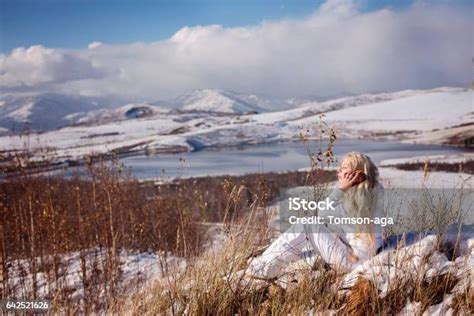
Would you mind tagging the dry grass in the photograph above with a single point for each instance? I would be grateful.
(212, 194)
(208, 287)
(211, 286)
(44, 217)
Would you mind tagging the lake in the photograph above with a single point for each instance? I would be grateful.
(278, 157)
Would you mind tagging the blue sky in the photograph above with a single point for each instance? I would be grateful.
(76, 23)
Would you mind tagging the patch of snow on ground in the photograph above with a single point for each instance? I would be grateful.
(450, 158)
(395, 178)
(22, 114)
(137, 271)
(415, 260)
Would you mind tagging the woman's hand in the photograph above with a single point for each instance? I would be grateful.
(350, 179)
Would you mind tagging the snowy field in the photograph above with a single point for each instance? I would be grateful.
(394, 178)
(451, 158)
(137, 270)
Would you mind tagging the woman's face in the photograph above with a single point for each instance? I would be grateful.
(343, 169)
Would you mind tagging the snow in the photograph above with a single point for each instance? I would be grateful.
(444, 135)
(153, 128)
(104, 116)
(424, 111)
(411, 308)
(419, 259)
(346, 102)
(311, 109)
(209, 100)
(450, 158)
(138, 270)
(413, 259)
(420, 112)
(23, 113)
(75, 142)
(43, 111)
(441, 309)
(395, 178)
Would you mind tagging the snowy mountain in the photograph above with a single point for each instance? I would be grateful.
(43, 111)
(129, 111)
(420, 111)
(50, 111)
(212, 100)
(351, 101)
(441, 116)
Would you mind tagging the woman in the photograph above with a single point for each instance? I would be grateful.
(360, 194)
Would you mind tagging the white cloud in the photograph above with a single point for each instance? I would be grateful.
(38, 65)
(335, 50)
(339, 7)
(94, 45)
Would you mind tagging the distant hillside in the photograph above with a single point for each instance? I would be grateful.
(129, 111)
(44, 111)
(210, 100)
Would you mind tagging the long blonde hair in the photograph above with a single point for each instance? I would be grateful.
(360, 200)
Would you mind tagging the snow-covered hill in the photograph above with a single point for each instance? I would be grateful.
(211, 100)
(352, 101)
(129, 111)
(43, 111)
(426, 111)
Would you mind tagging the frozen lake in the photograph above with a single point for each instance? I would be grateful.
(279, 157)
